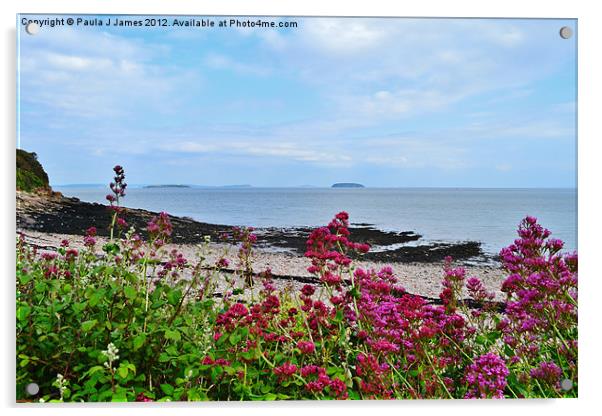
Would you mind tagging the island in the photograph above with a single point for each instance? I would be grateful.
(167, 186)
(348, 185)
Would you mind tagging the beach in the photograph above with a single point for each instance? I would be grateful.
(41, 218)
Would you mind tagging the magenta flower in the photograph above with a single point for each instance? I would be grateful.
(547, 372)
(143, 398)
(222, 263)
(486, 377)
(308, 290)
(285, 371)
(306, 347)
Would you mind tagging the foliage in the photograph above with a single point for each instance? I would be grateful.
(30, 173)
(134, 321)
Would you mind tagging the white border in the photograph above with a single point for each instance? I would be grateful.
(590, 232)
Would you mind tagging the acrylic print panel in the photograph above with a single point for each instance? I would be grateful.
(293, 208)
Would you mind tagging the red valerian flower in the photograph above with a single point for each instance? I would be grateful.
(285, 371)
(486, 377)
(306, 347)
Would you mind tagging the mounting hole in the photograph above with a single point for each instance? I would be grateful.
(566, 384)
(32, 389)
(32, 28)
(566, 32)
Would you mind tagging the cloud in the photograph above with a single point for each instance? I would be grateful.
(343, 36)
(266, 149)
(98, 75)
(77, 63)
(218, 61)
(398, 103)
(424, 65)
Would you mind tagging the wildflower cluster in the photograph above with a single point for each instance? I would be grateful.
(110, 355)
(540, 324)
(117, 192)
(62, 385)
(486, 377)
(328, 248)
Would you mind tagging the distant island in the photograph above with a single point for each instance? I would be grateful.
(167, 186)
(234, 186)
(348, 185)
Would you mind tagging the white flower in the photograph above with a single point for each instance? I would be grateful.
(110, 354)
(61, 384)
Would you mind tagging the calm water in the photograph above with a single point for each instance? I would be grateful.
(486, 215)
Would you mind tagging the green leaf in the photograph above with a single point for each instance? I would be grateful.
(172, 334)
(40, 287)
(96, 298)
(23, 312)
(174, 297)
(123, 371)
(130, 292)
(139, 341)
(88, 325)
(93, 370)
(167, 389)
(24, 278)
(354, 395)
(234, 338)
(120, 395)
(78, 307)
(131, 367)
(111, 248)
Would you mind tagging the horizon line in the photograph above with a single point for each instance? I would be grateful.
(314, 186)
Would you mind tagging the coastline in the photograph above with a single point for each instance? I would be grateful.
(45, 220)
(55, 213)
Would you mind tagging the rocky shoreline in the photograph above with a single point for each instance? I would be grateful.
(46, 220)
(54, 213)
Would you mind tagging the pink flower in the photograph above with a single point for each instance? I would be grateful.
(143, 398)
(547, 372)
(486, 377)
(306, 347)
(285, 371)
(222, 263)
(308, 290)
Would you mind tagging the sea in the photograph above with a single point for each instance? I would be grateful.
(490, 216)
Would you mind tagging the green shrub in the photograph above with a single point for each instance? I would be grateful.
(30, 173)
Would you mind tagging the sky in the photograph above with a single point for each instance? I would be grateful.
(387, 102)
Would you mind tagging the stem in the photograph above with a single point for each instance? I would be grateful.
(402, 377)
(113, 224)
(428, 357)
